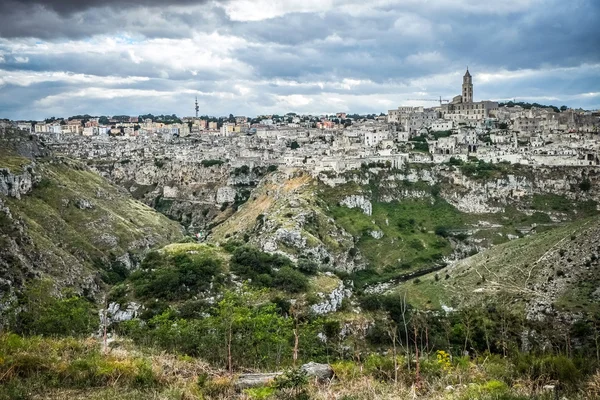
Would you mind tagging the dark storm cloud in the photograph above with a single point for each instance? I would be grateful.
(342, 54)
(47, 21)
(66, 7)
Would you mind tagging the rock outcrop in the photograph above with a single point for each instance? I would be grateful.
(358, 201)
(16, 185)
(333, 301)
(61, 221)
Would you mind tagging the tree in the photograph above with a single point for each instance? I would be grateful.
(294, 145)
(564, 108)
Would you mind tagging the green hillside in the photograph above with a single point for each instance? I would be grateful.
(73, 226)
(558, 268)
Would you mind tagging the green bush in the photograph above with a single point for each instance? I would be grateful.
(210, 163)
(290, 280)
(44, 314)
(381, 367)
(307, 267)
(442, 231)
(175, 277)
(260, 393)
(251, 263)
(294, 380)
(585, 185)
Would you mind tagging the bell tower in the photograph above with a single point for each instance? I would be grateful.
(467, 88)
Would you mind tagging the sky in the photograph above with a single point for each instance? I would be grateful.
(260, 57)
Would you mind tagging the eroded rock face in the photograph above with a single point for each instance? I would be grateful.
(84, 204)
(376, 234)
(358, 201)
(116, 313)
(15, 185)
(225, 194)
(333, 301)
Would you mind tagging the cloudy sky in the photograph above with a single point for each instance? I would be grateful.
(249, 57)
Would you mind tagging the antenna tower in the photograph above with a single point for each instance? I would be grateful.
(197, 108)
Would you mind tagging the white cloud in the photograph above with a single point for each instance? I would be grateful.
(258, 10)
(27, 78)
(425, 58)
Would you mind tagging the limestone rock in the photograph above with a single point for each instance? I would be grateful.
(320, 371)
(376, 234)
(225, 194)
(116, 313)
(246, 381)
(356, 201)
(333, 301)
(169, 192)
(84, 204)
(15, 185)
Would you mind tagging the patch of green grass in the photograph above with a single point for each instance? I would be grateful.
(323, 284)
(12, 161)
(551, 202)
(503, 272)
(409, 241)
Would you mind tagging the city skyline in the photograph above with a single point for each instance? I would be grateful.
(261, 58)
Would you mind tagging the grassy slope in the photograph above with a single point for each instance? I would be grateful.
(271, 206)
(67, 237)
(555, 264)
(409, 240)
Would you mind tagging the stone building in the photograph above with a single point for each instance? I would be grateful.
(463, 107)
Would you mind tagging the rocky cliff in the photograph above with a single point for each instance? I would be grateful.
(60, 220)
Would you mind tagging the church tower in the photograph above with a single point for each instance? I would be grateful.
(467, 88)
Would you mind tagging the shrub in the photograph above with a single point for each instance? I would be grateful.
(346, 371)
(45, 314)
(381, 367)
(210, 163)
(290, 280)
(175, 277)
(441, 231)
(294, 380)
(260, 393)
(416, 244)
(585, 185)
(307, 267)
(455, 161)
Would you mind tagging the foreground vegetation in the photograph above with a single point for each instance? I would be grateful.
(184, 345)
(75, 368)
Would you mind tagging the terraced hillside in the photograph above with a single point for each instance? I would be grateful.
(552, 273)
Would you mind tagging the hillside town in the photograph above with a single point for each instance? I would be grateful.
(459, 129)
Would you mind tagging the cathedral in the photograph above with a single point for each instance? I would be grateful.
(463, 107)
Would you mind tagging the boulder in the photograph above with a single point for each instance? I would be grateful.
(246, 381)
(84, 204)
(320, 371)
